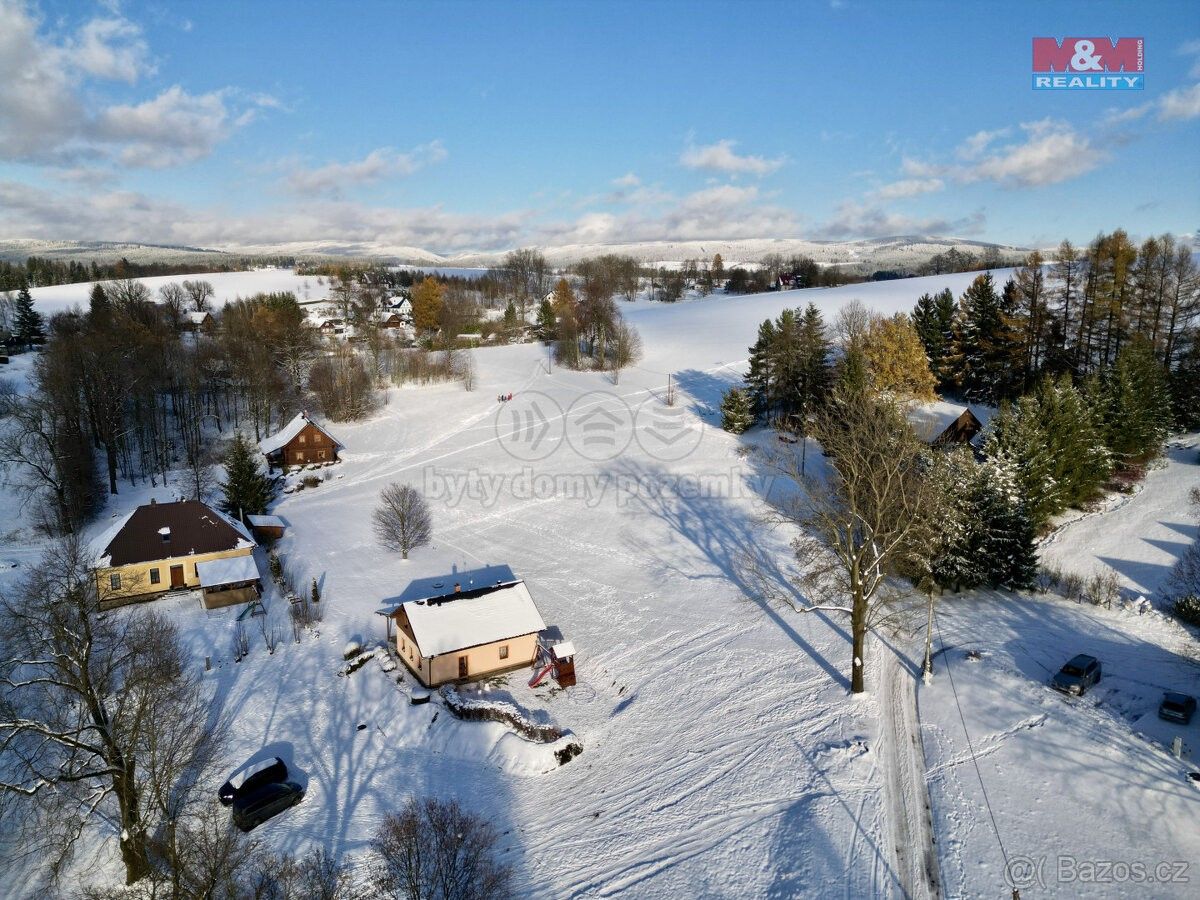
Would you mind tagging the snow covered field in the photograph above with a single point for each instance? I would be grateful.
(722, 754)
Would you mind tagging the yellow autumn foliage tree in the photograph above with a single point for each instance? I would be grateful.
(896, 359)
(427, 300)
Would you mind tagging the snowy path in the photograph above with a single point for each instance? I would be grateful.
(905, 791)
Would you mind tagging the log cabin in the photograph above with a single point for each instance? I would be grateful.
(300, 442)
(944, 424)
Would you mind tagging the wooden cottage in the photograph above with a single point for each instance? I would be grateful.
(943, 424)
(186, 545)
(300, 442)
(468, 635)
(393, 320)
(200, 321)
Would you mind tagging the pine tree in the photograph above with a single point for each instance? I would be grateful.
(957, 559)
(510, 318)
(979, 337)
(1016, 435)
(1185, 387)
(737, 411)
(315, 593)
(813, 382)
(1081, 462)
(27, 323)
(99, 307)
(246, 489)
(761, 376)
(718, 268)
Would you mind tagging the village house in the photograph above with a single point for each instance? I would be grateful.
(185, 545)
(393, 320)
(200, 321)
(300, 442)
(942, 423)
(467, 635)
(331, 326)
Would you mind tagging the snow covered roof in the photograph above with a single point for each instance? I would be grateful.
(284, 435)
(457, 621)
(233, 570)
(563, 650)
(265, 521)
(199, 318)
(930, 420)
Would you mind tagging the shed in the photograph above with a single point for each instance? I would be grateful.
(269, 527)
(562, 655)
(225, 582)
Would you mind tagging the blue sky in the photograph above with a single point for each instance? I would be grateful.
(486, 125)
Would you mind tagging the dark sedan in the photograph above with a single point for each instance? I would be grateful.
(1177, 708)
(250, 778)
(251, 810)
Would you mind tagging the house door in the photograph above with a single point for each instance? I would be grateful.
(176, 577)
(462, 667)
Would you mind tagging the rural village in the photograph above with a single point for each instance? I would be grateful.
(624, 542)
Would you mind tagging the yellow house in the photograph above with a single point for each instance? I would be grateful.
(186, 545)
(467, 635)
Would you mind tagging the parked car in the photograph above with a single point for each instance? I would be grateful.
(250, 778)
(252, 809)
(1177, 708)
(1079, 674)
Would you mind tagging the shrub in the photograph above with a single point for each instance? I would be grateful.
(311, 481)
(1103, 588)
(1187, 609)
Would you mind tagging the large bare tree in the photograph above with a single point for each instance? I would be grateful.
(866, 522)
(100, 724)
(402, 521)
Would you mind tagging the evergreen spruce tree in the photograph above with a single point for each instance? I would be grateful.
(546, 327)
(979, 332)
(1185, 387)
(737, 411)
(315, 593)
(246, 490)
(957, 560)
(1007, 552)
(760, 378)
(28, 324)
(1137, 404)
(99, 306)
(813, 383)
(1081, 462)
(510, 318)
(1016, 435)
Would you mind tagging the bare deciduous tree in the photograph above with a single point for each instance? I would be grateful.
(200, 293)
(870, 520)
(99, 723)
(626, 347)
(437, 849)
(402, 520)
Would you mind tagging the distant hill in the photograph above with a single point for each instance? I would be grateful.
(866, 256)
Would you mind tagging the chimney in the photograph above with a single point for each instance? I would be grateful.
(457, 588)
(153, 501)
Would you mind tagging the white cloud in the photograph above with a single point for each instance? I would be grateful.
(721, 157)
(384, 162)
(44, 119)
(628, 180)
(110, 48)
(1050, 152)
(1180, 104)
(857, 220)
(909, 187)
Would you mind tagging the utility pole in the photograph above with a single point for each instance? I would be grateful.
(670, 389)
(927, 669)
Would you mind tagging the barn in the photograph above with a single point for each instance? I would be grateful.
(300, 442)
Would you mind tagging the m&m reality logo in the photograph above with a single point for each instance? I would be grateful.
(1088, 64)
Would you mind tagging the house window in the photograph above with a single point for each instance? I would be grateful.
(303, 439)
(504, 651)
(299, 456)
(114, 581)
(154, 576)
(320, 454)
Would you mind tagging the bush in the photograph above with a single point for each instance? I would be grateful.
(311, 481)
(1187, 609)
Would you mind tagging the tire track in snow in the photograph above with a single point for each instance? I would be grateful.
(906, 795)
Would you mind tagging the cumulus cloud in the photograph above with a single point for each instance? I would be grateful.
(384, 162)
(1049, 151)
(721, 157)
(628, 180)
(44, 120)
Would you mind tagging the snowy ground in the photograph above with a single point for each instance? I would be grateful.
(722, 754)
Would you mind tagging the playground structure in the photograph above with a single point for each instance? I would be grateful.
(558, 659)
